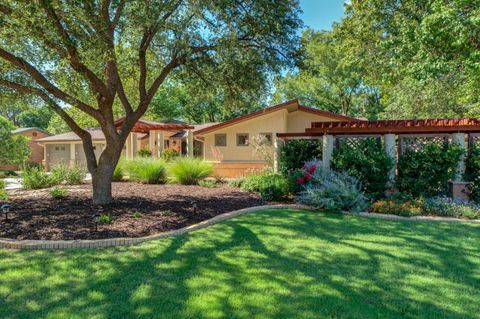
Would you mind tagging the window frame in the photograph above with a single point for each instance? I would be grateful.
(224, 135)
(248, 139)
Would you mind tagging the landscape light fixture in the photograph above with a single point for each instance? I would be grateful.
(6, 210)
(96, 218)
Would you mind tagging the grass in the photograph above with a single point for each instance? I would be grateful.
(271, 264)
(145, 170)
(189, 171)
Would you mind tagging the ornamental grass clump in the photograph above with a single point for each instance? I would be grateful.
(330, 190)
(189, 171)
(146, 170)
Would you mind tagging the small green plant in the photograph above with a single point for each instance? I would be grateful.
(209, 183)
(144, 152)
(272, 187)
(36, 178)
(189, 171)
(169, 154)
(105, 219)
(236, 182)
(3, 192)
(69, 175)
(403, 206)
(445, 206)
(146, 170)
(137, 215)
(58, 193)
(8, 173)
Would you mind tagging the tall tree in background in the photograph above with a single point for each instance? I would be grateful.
(92, 55)
(423, 55)
(15, 149)
(328, 78)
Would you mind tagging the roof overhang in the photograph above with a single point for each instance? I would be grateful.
(144, 126)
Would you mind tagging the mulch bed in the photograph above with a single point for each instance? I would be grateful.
(35, 215)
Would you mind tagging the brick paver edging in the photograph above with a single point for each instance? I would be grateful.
(100, 243)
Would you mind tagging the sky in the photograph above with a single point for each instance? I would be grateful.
(320, 14)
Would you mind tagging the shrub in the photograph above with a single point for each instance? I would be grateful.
(146, 170)
(399, 204)
(105, 219)
(332, 190)
(7, 173)
(426, 172)
(367, 161)
(189, 171)
(272, 187)
(144, 152)
(169, 154)
(236, 182)
(137, 215)
(209, 183)
(445, 206)
(3, 192)
(68, 175)
(472, 172)
(294, 153)
(58, 193)
(36, 178)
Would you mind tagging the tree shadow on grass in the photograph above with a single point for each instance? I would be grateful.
(271, 265)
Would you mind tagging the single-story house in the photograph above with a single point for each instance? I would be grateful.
(227, 144)
(33, 134)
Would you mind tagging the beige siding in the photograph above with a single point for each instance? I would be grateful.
(298, 121)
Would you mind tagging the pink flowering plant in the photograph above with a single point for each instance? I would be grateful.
(304, 176)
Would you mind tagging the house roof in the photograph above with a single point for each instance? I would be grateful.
(28, 129)
(196, 127)
(291, 106)
(144, 126)
(97, 135)
(432, 126)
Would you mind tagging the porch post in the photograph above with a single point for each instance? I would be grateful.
(459, 139)
(189, 143)
(152, 137)
(327, 150)
(391, 151)
(160, 143)
(72, 155)
(131, 146)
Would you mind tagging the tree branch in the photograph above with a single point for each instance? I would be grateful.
(74, 57)
(43, 82)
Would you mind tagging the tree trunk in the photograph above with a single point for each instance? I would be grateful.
(102, 183)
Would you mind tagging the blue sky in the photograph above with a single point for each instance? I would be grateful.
(320, 14)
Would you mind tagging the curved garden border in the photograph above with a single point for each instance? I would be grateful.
(110, 242)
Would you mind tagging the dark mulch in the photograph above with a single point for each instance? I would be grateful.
(35, 215)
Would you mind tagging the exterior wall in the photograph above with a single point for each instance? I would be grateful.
(37, 152)
(57, 154)
(236, 161)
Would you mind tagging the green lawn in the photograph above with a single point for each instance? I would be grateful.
(272, 264)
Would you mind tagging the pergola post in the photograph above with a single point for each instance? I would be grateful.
(391, 151)
(277, 143)
(327, 150)
(459, 139)
(131, 146)
(152, 141)
(189, 143)
(160, 143)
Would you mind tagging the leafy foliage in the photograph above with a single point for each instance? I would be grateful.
(58, 193)
(144, 152)
(14, 148)
(332, 191)
(69, 175)
(3, 192)
(118, 173)
(294, 153)
(272, 187)
(146, 170)
(169, 154)
(472, 171)
(189, 171)
(399, 205)
(427, 171)
(36, 178)
(367, 161)
(445, 206)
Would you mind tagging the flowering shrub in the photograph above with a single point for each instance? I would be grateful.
(327, 189)
(445, 206)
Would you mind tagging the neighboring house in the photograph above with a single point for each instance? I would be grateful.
(227, 144)
(33, 134)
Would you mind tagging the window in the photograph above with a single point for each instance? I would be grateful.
(220, 139)
(242, 139)
(266, 138)
(59, 148)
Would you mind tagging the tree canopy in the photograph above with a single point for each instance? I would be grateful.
(14, 148)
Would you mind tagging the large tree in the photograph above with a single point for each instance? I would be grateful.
(328, 78)
(14, 148)
(93, 55)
